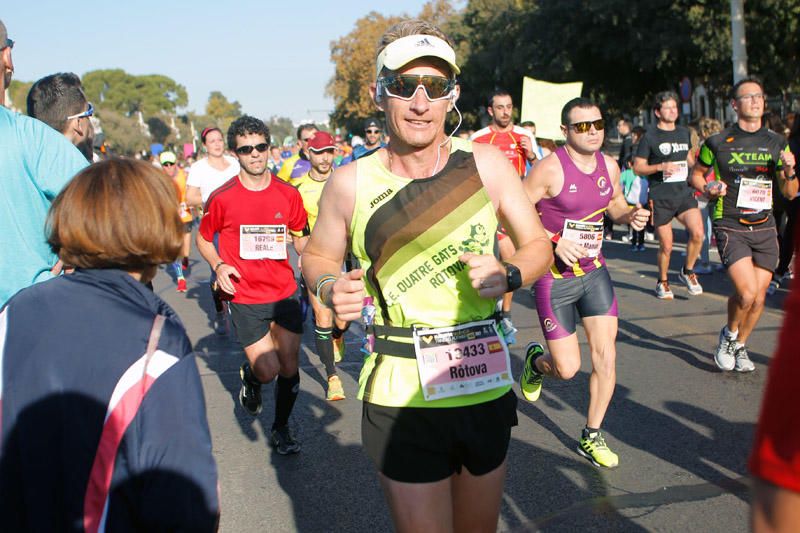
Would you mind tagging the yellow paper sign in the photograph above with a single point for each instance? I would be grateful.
(542, 102)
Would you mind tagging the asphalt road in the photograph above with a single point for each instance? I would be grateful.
(682, 428)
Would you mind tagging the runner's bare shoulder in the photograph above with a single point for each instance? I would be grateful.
(340, 191)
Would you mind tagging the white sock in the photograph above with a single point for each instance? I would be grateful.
(730, 335)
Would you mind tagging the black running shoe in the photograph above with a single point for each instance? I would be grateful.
(250, 393)
(283, 441)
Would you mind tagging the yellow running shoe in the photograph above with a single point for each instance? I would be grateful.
(335, 389)
(530, 382)
(339, 348)
(593, 447)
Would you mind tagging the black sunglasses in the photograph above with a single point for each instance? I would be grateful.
(9, 43)
(583, 127)
(246, 149)
(373, 131)
(405, 86)
(167, 164)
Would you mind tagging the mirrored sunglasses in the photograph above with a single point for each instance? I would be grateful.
(583, 127)
(404, 86)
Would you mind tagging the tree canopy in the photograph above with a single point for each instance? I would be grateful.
(127, 93)
(120, 97)
(18, 92)
(354, 58)
(623, 51)
(123, 133)
(221, 111)
(279, 128)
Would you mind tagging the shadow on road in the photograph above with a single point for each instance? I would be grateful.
(716, 283)
(546, 492)
(720, 448)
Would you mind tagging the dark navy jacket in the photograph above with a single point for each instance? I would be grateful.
(89, 441)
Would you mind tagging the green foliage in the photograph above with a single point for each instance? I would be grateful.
(18, 93)
(623, 51)
(773, 43)
(221, 111)
(279, 128)
(122, 133)
(126, 93)
(354, 58)
(493, 50)
(159, 130)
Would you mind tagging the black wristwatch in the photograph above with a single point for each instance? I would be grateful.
(513, 277)
(792, 177)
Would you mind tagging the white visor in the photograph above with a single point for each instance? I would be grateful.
(406, 49)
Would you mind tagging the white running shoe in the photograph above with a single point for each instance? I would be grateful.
(690, 280)
(663, 292)
(743, 362)
(725, 355)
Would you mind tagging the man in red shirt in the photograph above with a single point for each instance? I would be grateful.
(519, 147)
(252, 213)
(516, 142)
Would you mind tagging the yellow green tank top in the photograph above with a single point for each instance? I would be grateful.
(310, 190)
(408, 235)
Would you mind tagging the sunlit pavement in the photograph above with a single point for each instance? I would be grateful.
(682, 428)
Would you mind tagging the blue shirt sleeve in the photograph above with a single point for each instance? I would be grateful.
(50, 158)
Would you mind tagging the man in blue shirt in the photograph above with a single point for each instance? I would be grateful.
(35, 164)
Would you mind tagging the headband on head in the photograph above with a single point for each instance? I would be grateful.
(208, 130)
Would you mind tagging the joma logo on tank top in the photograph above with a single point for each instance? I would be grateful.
(381, 197)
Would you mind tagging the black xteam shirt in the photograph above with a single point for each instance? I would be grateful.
(736, 154)
(660, 146)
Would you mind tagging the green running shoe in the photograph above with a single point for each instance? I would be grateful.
(531, 380)
(593, 447)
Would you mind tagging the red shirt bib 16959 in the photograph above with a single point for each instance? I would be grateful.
(232, 206)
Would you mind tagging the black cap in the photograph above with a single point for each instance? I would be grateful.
(372, 123)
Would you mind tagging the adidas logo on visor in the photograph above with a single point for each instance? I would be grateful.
(424, 42)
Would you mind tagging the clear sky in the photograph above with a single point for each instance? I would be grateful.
(272, 56)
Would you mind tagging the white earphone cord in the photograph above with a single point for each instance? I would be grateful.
(439, 150)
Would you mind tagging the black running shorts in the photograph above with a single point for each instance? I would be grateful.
(666, 209)
(761, 244)
(252, 321)
(426, 444)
